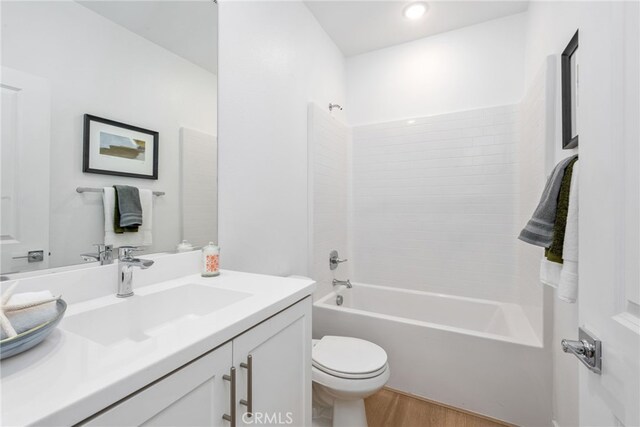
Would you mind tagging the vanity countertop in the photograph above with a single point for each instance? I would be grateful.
(69, 377)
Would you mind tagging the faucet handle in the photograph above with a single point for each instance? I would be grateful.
(125, 252)
(334, 260)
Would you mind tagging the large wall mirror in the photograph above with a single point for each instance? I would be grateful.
(147, 70)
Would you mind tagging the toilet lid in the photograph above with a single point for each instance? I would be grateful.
(348, 357)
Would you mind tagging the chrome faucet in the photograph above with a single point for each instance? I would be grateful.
(104, 254)
(346, 283)
(126, 262)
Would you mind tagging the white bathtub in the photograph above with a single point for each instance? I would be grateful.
(479, 355)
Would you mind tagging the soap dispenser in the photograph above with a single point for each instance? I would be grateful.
(210, 260)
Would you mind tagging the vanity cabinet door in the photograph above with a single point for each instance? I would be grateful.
(279, 369)
(194, 395)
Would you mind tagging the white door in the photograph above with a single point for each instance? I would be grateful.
(276, 380)
(194, 395)
(609, 299)
(24, 171)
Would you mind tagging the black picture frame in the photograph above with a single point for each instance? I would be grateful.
(568, 139)
(86, 158)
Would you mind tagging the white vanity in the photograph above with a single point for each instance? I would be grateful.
(184, 350)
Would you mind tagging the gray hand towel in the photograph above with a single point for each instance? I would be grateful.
(129, 207)
(539, 229)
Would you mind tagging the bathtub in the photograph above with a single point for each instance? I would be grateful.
(479, 355)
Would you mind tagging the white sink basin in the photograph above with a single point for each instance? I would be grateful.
(141, 317)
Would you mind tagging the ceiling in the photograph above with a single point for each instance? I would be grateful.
(188, 28)
(361, 26)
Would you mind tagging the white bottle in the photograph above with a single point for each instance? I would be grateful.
(210, 260)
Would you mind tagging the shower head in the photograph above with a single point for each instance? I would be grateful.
(332, 106)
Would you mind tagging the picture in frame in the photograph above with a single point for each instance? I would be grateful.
(114, 148)
(569, 65)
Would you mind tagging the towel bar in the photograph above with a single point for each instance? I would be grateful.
(100, 190)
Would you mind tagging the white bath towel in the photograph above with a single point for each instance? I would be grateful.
(6, 330)
(30, 309)
(143, 237)
(550, 272)
(568, 285)
(21, 312)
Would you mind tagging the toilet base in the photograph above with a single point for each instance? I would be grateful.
(322, 415)
(329, 411)
(349, 413)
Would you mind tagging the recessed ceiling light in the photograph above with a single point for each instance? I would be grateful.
(410, 122)
(415, 10)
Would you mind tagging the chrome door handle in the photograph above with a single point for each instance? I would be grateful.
(32, 256)
(232, 397)
(249, 402)
(579, 348)
(588, 349)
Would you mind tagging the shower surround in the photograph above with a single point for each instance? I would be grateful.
(438, 198)
(428, 210)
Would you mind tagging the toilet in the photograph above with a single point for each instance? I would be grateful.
(345, 371)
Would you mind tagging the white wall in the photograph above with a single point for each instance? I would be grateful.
(329, 178)
(95, 66)
(550, 26)
(435, 203)
(537, 111)
(474, 67)
(274, 58)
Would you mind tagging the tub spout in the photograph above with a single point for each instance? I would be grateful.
(346, 283)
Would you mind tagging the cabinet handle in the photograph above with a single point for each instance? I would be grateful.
(232, 399)
(249, 402)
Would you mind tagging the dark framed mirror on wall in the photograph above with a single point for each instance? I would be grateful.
(570, 75)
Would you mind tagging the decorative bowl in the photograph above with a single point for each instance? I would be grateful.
(27, 339)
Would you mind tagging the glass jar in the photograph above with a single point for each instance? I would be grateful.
(210, 260)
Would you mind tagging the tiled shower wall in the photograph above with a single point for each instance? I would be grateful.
(435, 203)
(328, 140)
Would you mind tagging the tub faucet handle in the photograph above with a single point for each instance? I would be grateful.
(334, 260)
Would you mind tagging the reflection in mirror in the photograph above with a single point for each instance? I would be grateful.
(147, 73)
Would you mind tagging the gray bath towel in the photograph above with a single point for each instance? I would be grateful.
(539, 229)
(128, 206)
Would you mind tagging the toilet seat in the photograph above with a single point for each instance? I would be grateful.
(348, 358)
(349, 376)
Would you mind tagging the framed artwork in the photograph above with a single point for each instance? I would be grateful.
(114, 148)
(570, 68)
